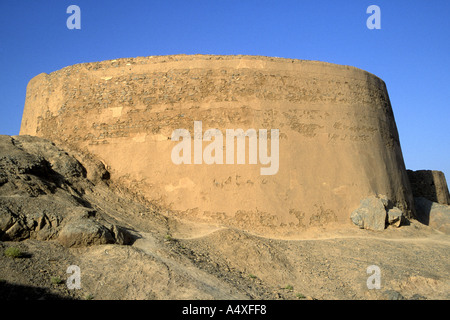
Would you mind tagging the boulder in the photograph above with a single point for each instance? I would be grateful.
(84, 232)
(375, 212)
(371, 213)
(395, 216)
(433, 214)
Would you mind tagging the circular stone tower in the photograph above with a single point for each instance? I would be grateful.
(331, 136)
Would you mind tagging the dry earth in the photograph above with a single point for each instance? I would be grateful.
(173, 259)
(232, 264)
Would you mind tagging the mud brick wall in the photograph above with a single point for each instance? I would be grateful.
(429, 184)
(338, 138)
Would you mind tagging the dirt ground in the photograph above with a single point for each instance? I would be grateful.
(184, 261)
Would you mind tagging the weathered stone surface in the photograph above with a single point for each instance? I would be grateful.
(429, 184)
(338, 138)
(371, 214)
(58, 160)
(434, 214)
(375, 212)
(84, 232)
(7, 219)
(43, 195)
(395, 216)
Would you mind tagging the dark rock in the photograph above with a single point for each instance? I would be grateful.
(375, 212)
(395, 216)
(417, 297)
(371, 213)
(84, 232)
(122, 235)
(429, 184)
(59, 161)
(393, 295)
(43, 192)
(433, 214)
(7, 220)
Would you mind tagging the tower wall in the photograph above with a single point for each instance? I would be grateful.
(338, 141)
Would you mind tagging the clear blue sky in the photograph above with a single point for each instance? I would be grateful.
(411, 52)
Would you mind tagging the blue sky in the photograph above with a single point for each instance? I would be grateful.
(411, 52)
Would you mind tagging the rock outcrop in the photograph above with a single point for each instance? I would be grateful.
(42, 195)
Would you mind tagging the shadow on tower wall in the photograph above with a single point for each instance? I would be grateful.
(428, 185)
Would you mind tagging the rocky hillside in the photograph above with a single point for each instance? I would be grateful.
(58, 208)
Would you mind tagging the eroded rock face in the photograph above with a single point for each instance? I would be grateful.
(42, 195)
(338, 142)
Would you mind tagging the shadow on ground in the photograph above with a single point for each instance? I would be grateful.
(11, 291)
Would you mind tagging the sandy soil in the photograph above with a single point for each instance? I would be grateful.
(176, 260)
